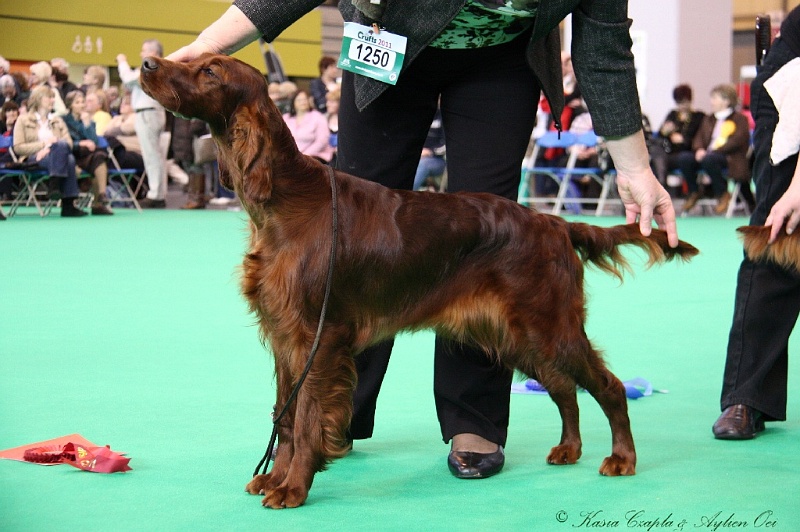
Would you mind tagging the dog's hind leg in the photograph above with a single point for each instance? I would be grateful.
(609, 392)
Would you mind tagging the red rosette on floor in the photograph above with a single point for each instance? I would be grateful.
(45, 454)
(95, 459)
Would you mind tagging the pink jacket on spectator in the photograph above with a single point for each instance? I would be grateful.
(311, 134)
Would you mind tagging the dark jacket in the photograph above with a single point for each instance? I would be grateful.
(183, 134)
(736, 145)
(601, 48)
(80, 131)
(687, 130)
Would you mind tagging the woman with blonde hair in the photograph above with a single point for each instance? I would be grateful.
(46, 140)
(97, 109)
(94, 78)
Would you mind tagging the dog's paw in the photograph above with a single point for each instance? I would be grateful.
(260, 484)
(563, 455)
(284, 497)
(616, 465)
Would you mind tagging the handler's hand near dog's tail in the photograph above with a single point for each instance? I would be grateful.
(786, 209)
(642, 195)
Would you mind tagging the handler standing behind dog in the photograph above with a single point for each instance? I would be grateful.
(767, 296)
(488, 62)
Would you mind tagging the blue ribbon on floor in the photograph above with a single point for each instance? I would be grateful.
(634, 388)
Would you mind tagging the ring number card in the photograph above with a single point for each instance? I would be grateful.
(377, 55)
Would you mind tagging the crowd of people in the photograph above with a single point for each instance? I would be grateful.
(693, 154)
(137, 132)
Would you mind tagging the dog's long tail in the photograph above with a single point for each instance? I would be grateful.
(785, 251)
(601, 246)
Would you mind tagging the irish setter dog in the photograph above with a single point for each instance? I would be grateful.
(475, 267)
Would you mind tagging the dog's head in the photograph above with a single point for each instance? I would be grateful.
(232, 97)
(210, 87)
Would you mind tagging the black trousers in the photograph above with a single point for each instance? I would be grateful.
(767, 297)
(488, 101)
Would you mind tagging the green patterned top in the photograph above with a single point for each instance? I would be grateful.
(486, 23)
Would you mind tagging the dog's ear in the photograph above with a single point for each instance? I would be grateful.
(225, 178)
(253, 152)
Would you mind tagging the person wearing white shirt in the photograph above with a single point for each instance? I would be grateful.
(150, 122)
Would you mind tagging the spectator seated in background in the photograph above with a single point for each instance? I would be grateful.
(587, 156)
(721, 144)
(10, 92)
(309, 128)
(9, 113)
(573, 107)
(40, 77)
(675, 135)
(60, 78)
(123, 141)
(182, 154)
(285, 95)
(431, 163)
(94, 78)
(88, 155)
(332, 114)
(319, 87)
(114, 99)
(97, 108)
(46, 140)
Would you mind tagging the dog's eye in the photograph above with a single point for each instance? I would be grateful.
(209, 72)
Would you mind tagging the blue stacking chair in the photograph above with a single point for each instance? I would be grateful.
(567, 197)
(30, 182)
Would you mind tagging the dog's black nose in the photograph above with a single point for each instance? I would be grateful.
(149, 64)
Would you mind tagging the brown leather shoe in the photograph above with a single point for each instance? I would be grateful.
(722, 203)
(101, 210)
(691, 201)
(738, 422)
(193, 205)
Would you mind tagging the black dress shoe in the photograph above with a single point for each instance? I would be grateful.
(148, 203)
(738, 422)
(466, 464)
(68, 210)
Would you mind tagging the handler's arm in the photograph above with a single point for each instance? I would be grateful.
(642, 195)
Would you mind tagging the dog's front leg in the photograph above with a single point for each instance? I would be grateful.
(262, 483)
(322, 414)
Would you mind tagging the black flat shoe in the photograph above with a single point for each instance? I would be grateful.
(54, 188)
(466, 464)
(738, 422)
(68, 210)
(148, 203)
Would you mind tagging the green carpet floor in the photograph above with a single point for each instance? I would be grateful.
(130, 331)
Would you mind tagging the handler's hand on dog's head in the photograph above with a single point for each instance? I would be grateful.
(192, 51)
